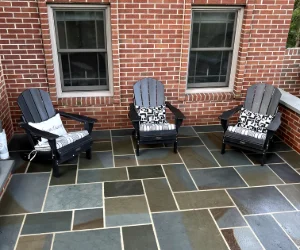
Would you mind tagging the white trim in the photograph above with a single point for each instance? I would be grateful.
(239, 20)
(60, 93)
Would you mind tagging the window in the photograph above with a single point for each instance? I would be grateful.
(81, 48)
(213, 42)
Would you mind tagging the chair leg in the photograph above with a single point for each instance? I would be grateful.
(263, 159)
(175, 147)
(88, 154)
(55, 168)
(223, 148)
(137, 151)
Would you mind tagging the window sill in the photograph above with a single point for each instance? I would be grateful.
(219, 96)
(85, 94)
(208, 90)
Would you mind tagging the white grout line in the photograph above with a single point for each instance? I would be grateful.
(77, 169)
(245, 220)
(127, 173)
(213, 219)
(226, 228)
(5, 188)
(19, 234)
(285, 162)
(241, 177)
(286, 198)
(103, 205)
(284, 231)
(121, 235)
(33, 173)
(46, 194)
(72, 220)
(151, 218)
(170, 188)
(52, 242)
(112, 149)
(283, 182)
(125, 196)
(248, 158)
(136, 160)
(191, 209)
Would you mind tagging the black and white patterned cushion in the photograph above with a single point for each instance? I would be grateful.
(153, 115)
(157, 127)
(254, 121)
(62, 140)
(248, 132)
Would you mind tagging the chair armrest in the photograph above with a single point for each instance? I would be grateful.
(37, 132)
(227, 114)
(274, 125)
(79, 118)
(133, 115)
(178, 114)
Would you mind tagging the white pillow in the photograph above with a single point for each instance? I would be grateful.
(53, 125)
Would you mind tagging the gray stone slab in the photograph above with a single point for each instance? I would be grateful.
(5, 170)
(35, 242)
(228, 217)
(74, 197)
(104, 239)
(292, 193)
(98, 175)
(25, 193)
(88, 219)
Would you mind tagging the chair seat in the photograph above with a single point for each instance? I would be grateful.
(157, 127)
(62, 141)
(247, 132)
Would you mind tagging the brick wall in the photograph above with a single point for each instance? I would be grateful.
(4, 107)
(149, 38)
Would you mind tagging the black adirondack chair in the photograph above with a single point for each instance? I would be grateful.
(263, 99)
(149, 92)
(36, 106)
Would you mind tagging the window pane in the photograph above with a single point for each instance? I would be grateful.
(208, 66)
(195, 35)
(100, 34)
(84, 65)
(65, 66)
(229, 35)
(85, 82)
(212, 35)
(61, 35)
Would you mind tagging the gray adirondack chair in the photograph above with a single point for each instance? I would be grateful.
(263, 99)
(149, 92)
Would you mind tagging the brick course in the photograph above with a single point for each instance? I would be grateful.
(149, 39)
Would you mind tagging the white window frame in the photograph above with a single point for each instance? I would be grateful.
(60, 93)
(239, 20)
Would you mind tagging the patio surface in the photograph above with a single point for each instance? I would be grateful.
(196, 199)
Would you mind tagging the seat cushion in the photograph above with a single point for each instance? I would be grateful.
(62, 140)
(254, 121)
(247, 132)
(157, 127)
(154, 115)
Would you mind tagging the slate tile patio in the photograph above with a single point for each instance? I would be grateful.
(196, 199)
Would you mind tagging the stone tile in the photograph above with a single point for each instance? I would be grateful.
(179, 178)
(101, 135)
(98, 175)
(292, 192)
(197, 157)
(73, 197)
(102, 146)
(228, 217)
(35, 242)
(213, 141)
(266, 228)
(145, 172)
(19, 142)
(10, 227)
(292, 158)
(68, 175)
(286, 173)
(145, 146)
(231, 158)
(158, 156)
(139, 237)
(186, 131)
(241, 239)
(270, 158)
(123, 188)
(203, 199)
(126, 211)
(279, 146)
(217, 178)
(189, 141)
(188, 230)
(99, 160)
(159, 195)
(104, 239)
(88, 219)
(208, 128)
(290, 222)
(258, 175)
(122, 145)
(72, 161)
(121, 132)
(125, 160)
(39, 167)
(25, 193)
(47, 222)
(259, 200)
(20, 165)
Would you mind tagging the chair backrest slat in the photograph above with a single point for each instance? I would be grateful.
(36, 105)
(263, 99)
(149, 92)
